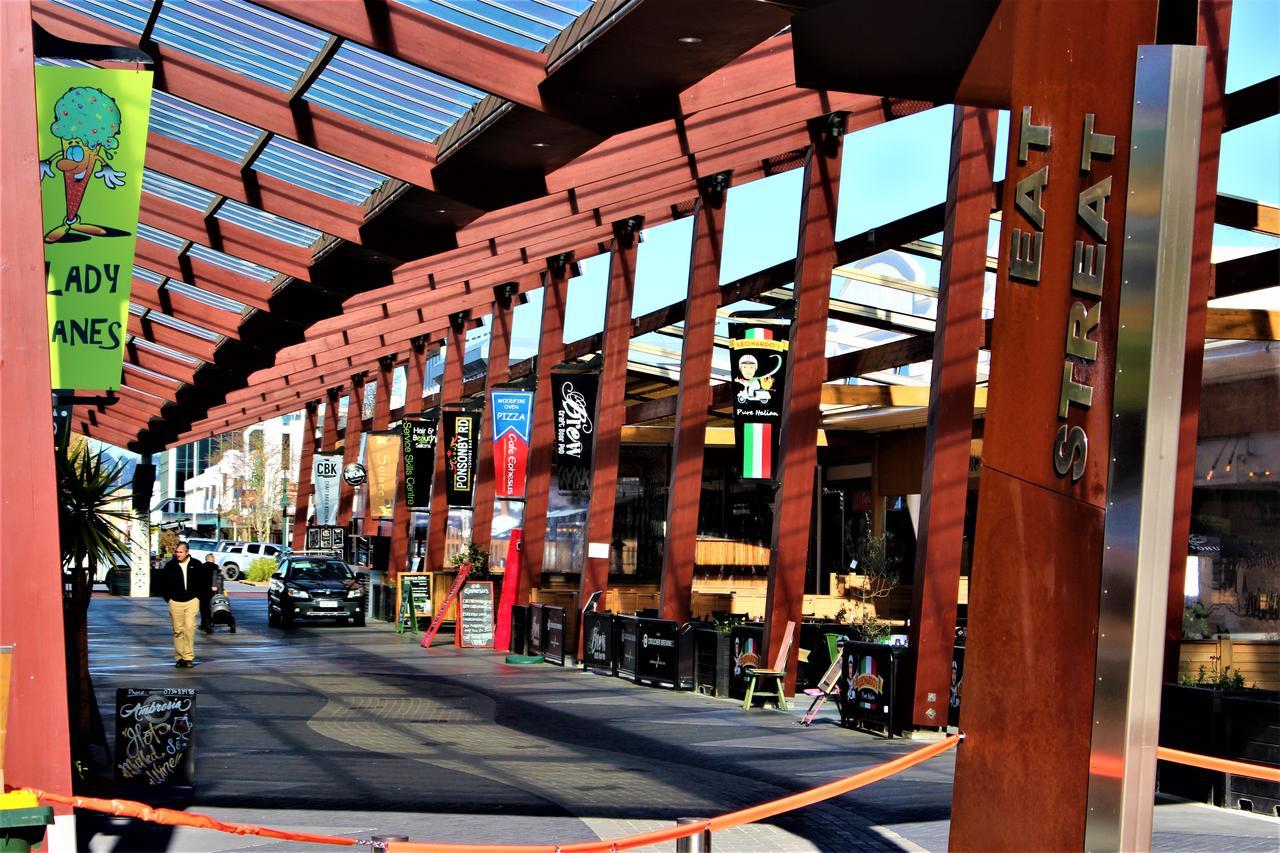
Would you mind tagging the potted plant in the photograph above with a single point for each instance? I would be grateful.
(475, 557)
(712, 657)
(876, 577)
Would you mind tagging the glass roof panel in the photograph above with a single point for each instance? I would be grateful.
(180, 192)
(523, 23)
(147, 275)
(390, 94)
(316, 171)
(172, 323)
(203, 128)
(129, 15)
(213, 300)
(277, 227)
(159, 349)
(161, 238)
(261, 45)
(231, 263)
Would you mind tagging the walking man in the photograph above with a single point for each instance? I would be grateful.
(184, 582)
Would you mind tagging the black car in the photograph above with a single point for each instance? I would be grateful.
(315, 588)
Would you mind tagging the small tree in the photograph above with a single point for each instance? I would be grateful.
(255, 477)
(876, 578)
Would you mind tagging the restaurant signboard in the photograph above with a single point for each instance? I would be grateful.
(758, 362)
(326, 471)
(574, 406)
(512, 413)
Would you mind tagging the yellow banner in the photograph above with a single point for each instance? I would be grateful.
(382, 452)
(93, 141)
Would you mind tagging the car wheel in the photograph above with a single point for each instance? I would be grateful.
(358, 621)
(273, 618)
(231, 572)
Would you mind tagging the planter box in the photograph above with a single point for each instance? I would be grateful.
(712, 661)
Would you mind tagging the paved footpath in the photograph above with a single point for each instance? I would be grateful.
(360, 732)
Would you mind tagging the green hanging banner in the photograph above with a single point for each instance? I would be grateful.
(93, 140)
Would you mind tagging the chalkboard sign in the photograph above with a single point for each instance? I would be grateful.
(597, 638)
(475, 611)
(155, 737)
(416, 586)
(658, 655)
(535, 628)
(553, 635)
(627, 646)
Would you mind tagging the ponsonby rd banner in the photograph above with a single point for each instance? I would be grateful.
(758, 358)
(326, 472)
(512, 413)
(574, 404)
(382, 454)
(461, 429)
(92, 142)
(418, 438)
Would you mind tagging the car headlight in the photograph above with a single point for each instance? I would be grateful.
(355, 593)
(298, 593)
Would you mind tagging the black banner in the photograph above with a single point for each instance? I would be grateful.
(758, 362)
(574, 402)
(475, 610)
(327, 539)
(553, 635)
(535, 628)
(658, 656)
(597, 637)
(628, 645)
(155, 737)
(418, 439)
(461, 432)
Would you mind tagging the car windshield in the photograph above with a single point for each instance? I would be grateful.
(321, 570)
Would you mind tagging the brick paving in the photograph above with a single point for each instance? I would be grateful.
(360, 732)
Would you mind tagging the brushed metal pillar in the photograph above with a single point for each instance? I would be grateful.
(1146, 408)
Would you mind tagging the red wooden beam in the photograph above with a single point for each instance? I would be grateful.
(196, 347)
(542, 436)
(949, 430)
(160, 362)
(404, 32)
(450, 392)
(146, 295)
(202, 274)
(684, 492)
(499, 371)
(350, 447)
(306, 459)
(158, 386)
(806, 370)
(610, 402)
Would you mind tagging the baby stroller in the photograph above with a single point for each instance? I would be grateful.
(220, 610)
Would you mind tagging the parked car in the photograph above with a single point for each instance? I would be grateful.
(315, 587)
(235, 558)
(200, 547)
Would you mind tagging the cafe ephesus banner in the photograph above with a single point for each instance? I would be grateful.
(382, 456)
(758, 359)
(325, 473)
(92, 142)
(512, 413)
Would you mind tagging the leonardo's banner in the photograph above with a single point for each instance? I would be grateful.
(418, 438)
(325, 473)
(574, 403)
(382, 454)
(512, 413)
(92, 142)
(758, 358)
(461, 429)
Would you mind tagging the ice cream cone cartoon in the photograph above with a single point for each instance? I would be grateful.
(87, 121)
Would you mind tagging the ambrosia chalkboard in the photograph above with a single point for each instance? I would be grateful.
(155, 736)
(476, 610)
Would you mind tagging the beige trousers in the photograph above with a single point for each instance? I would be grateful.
(183, 615)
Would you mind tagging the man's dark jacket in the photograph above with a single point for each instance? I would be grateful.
(198, 585)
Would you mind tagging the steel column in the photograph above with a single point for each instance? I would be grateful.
(610, 405)
(949, 431)
(403, 516)
(37, 746)
(351, 447)
(499, 371)
(450, 393)
(684, 491)
(542, 439)
(806, 370)
(302, 504)
(380, 422)
(1214, 29)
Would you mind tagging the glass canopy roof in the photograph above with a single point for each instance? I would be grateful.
(524, 23)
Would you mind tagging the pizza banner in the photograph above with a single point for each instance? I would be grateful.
(512, 413)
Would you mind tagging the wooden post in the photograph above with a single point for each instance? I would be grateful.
(542, 438)
(610, 405)
(1214, 28)
(949, 431)
(305, 463)
(450, 392)
(351, 447)
(381, 421)
(37, 749)
(402, 519)
(499, 371)
(329, 431)
(806, 370)
(684, 493)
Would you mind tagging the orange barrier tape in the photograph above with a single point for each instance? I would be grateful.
(1223, 765)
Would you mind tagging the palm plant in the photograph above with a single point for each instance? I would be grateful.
(90, 530)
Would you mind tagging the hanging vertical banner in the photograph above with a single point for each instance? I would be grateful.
(92, 142)
(418, 440)
(574, 403)
(460, 432)
(382, 455)
(326, 473)
(512, 414)
(758, 358)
